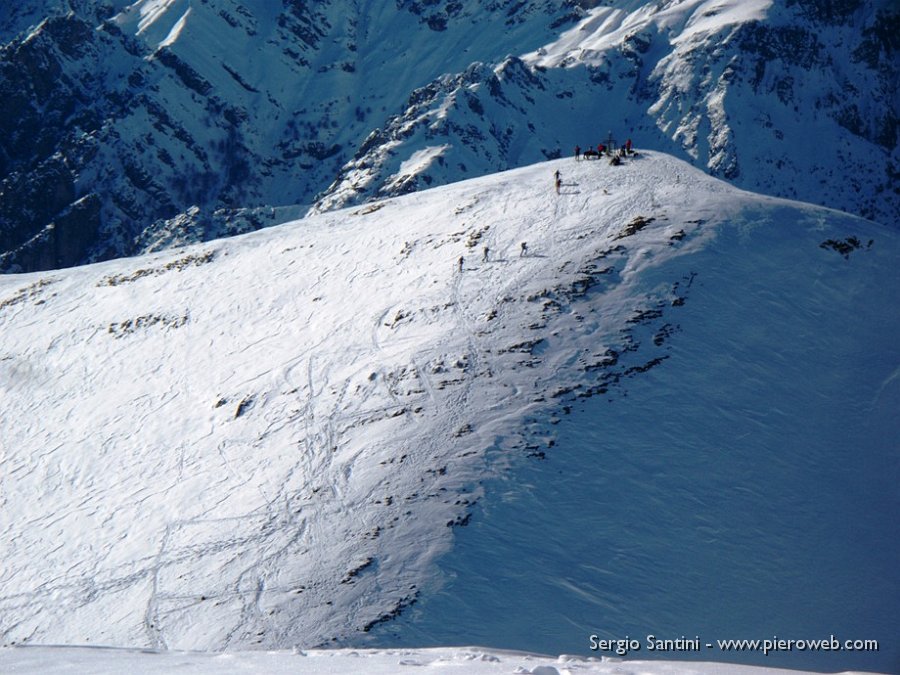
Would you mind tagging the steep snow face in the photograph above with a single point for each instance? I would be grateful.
(269, 440)
(717, 494)
(777, 97)
(606, 27)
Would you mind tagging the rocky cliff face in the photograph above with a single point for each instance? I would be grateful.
(22, 16)
(129, 127)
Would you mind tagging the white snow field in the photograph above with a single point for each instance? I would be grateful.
(269, 441)
(471, 661)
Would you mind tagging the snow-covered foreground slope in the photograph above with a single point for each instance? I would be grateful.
(471, 661)
(269, 440)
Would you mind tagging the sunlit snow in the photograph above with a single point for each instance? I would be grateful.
(269, 441)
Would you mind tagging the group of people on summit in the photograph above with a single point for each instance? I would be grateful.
(604, 149)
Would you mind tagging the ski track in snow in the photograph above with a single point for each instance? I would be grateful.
(279, 444)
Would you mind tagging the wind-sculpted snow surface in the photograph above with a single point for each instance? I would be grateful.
(269, 440)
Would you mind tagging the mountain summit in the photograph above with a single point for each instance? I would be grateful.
(267, 440)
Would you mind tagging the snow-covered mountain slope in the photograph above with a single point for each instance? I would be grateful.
(269, 440)
(133, 127)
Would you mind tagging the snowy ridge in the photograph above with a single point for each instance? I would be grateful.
(606, 27)
(268, 440)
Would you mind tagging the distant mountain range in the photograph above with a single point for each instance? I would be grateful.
(130, 127)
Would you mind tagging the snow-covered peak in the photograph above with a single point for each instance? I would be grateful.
(269, 440)
(158, 21)
(605, 28)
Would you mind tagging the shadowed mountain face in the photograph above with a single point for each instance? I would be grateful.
(133, 128)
